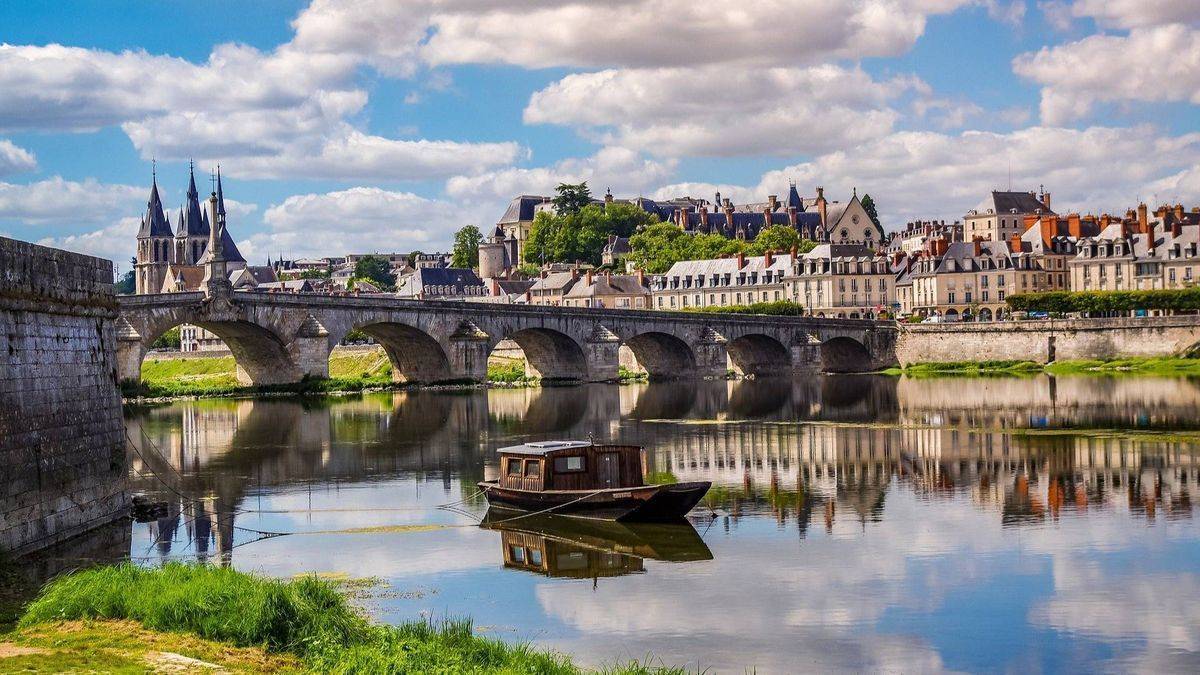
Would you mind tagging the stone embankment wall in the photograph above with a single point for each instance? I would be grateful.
(1049, 340)
(62, 448)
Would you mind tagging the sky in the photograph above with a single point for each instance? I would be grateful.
(377, 125)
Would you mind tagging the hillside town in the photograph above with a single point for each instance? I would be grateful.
(847, 265)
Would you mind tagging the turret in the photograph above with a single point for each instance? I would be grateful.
(192, 237)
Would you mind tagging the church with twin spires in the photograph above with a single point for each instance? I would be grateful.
(171, 261)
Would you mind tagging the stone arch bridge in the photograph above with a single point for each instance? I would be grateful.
(283, 338)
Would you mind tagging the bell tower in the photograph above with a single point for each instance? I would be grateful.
(154, 244)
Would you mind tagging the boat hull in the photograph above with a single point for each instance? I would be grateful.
(648, 503)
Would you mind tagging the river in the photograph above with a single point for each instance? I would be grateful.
(856, 522)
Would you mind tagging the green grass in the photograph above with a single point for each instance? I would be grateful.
(507, 371)
(307, 618)
(1163, 366)
(660, 478)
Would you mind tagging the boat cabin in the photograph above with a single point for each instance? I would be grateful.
(571, 465)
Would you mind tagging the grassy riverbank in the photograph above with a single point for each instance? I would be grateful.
(131, 619)
(168, 375)
(1161, 366)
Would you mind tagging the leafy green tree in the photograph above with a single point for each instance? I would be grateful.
(571, 198)
(466, 247)
(868, 205)
(581, 236)
(315, 274)
(127, 285)
(780, 238)
(168, 340)
(412, 258)
(376, 270)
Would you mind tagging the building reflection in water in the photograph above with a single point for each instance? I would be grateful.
(818, 450)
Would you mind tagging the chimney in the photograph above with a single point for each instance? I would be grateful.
(978, 246)
(704, 219)
(1179, 212)
(1046, 200)
(587, 278)
(741, 260)
(728, 203)
(641, 277)
(795, 250)
(768, 257)
(772, 200)
(1105, 219)
(793, 218)
(940, 246)
(1176, 228)
(1143, 218)
(1014, 244)
(821, 205)
(608, 198)
(1073, 225)
(728, 213)
(608, 277)
(767, 219)
(1150, 240)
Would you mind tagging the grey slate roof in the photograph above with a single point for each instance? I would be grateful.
(1011, 202)
(521, 209)
(154, 222)
(193, 223)
(457, 279)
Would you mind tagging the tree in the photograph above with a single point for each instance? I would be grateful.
(571, 198)
(780, 238)
(376, 270)
(412, 258)
(128, 284)
(466, 247)
(868, 205)
(168, 340)
(581, 236)
(315, 274)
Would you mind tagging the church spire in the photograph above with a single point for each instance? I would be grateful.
(154, 222)
(220, 193)
(193, 223)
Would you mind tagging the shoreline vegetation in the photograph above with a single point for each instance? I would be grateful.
(189, 617)
(172, 375)
(1160, 366)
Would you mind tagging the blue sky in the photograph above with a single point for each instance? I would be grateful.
(383, 125)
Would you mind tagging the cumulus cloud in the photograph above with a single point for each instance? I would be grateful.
(655, 33)
(921, 174)
(117, 242)
(14, 159)
(1137, 13)
(360, 219)
(56, 201)
(723, 110)
(1150, 64)
(265, 115)
(624, 170)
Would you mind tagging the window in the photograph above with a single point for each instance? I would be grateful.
(514, 467)
(535, 557)
(566, 464)
(517, 554)
(533, 468)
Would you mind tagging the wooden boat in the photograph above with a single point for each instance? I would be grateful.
(583, 479)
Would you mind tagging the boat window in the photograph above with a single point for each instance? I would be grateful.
(514, 467)
(565, 464)
(533, 468)
(535, 556)
(516, 553)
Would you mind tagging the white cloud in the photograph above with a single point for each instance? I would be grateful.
(264, 115)
(653, 33)
(914, 174)
(361, 219)
(1137, 13)
(117, 242)
(14, 159)
(723, 110)
(1150, 64)
(624, 170)
(59, 202)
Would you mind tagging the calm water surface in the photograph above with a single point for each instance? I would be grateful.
(856, 523)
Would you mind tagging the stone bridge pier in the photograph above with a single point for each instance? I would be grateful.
(283, 338)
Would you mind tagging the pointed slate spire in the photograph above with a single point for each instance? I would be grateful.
(794, 198)
(154, 222)
(220, 193)
(193, 222)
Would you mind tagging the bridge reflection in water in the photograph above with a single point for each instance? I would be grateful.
(823, 451)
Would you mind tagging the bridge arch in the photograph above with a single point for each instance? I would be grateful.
(550, 354)
(844, 355)
(416, 356)
(758, 354)
(261, 356)
(662, 355)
